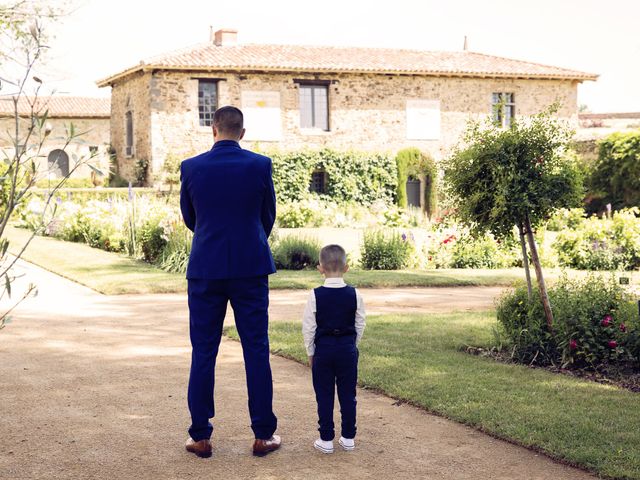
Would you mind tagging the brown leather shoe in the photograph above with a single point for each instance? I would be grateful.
(201, 448)
(262, 447)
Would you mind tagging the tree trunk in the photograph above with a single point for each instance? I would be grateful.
(525, 261)
(536, 263)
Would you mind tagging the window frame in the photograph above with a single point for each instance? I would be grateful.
(202, 122)
(499, 109)
(129, 140)
(314, 85)
(319, 172)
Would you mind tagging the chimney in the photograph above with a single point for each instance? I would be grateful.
(224, 37)
(466, 44)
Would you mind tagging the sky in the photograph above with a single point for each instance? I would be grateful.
(103, 37)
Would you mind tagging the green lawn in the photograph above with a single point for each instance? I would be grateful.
(113, 274)
(417, 358)
(105, 272)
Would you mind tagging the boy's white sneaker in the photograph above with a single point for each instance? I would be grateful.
(347, 443)
(324, 447)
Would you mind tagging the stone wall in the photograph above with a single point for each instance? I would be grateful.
(132, 95)
(95, 133)
(366, 111)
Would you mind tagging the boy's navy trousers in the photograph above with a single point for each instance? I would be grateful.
(249, 299)
(335, 364)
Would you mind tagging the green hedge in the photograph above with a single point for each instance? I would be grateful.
(615, 177)
(83, 195)
(362, 177)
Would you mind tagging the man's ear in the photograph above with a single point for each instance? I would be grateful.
(215, 133)
(242, 134)
(320, 269)
(346, 268)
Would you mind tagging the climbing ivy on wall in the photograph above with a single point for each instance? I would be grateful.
(411, 162)
(362, 177)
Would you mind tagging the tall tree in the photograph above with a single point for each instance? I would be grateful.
(514, 179)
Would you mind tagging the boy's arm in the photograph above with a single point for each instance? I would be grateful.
(309, 325)
(360, 317)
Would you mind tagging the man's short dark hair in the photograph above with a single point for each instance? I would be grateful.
(333, 258)
(229, 121)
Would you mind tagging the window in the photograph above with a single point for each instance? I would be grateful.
(318, 182)
(58, 162)
(93, 150)
(129, 133)
(207, 101)
(503, 108)
(314, 107)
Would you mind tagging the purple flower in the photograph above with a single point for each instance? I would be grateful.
(623, 327)
(573, 344)
(612, 344)
(404, 237)
(606, 321)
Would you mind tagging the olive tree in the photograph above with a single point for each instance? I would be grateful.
(503, 180)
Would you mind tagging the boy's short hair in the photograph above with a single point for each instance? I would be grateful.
(333, 258)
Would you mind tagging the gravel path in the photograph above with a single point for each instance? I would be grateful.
(94, 387)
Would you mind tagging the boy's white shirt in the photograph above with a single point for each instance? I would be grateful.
(309, 324)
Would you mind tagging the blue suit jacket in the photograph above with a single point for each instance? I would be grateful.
(228, 201)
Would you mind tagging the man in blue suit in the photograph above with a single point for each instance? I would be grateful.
(228, 201)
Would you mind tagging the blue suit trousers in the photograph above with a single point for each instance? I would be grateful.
(249, 299)
(335, 364)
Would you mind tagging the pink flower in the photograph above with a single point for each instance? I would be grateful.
(606, 321)
(623, 327)
(573, 344)
(612, 344)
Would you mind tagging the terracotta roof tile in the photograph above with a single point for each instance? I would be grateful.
(59, 106)
(348, 59)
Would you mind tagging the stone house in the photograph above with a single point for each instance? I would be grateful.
(90, 116)
(296, 97)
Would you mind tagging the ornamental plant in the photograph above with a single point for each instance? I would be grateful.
(596, 325)
(501, 179)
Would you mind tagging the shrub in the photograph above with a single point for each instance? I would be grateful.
(483, 252)
(602, 244)
(151, 240)
(175, 256)
(296, 253)
(616, 174)
(566, 218)
(295, 215)
(595, 324)
(385, 251)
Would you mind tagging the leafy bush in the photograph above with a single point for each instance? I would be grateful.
(294, 215)
(595, 324)
(175, 256)
(484, 252)
(296, 253)
(361, 177)
(602, 244)
(566, 218)
(616, 174)
(385, 251)
(152, 240)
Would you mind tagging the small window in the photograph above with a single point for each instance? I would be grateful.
(207, 101)
(129, 133)
(93, 150)
(318, 182)
(58, 162)
(503, 109)
(314, 107)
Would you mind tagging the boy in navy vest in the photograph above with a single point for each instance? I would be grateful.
(332, 327)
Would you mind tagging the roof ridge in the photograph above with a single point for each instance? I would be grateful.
(538, 64)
